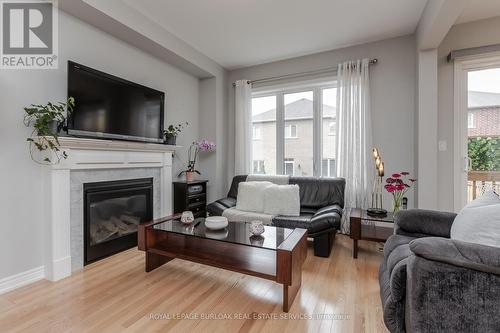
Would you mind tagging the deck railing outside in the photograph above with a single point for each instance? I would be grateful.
(480, 181)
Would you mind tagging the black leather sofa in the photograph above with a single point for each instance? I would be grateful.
(321, 206)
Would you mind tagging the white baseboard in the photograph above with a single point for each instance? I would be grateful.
(21, 279)
(61, 268)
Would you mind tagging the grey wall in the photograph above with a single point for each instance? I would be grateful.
(207, 129)
(21, 196)
(392, 84)
(125, 23)
(474, 34)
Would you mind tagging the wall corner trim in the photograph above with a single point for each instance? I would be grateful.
(21, 279)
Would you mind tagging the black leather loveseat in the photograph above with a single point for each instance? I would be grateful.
(321, 205)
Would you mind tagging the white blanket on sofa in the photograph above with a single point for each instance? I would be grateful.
(262, 200)
(275, 179)
(236, 215)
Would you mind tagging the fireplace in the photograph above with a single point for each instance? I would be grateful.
(112, 211)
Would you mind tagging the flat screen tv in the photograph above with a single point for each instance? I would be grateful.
(110, 107)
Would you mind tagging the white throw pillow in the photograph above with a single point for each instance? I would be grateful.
(479, 221)
(282, 200)
(251, 196)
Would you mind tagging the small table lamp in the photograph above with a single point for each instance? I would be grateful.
(376, 209)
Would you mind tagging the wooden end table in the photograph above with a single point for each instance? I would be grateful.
(277, 255)
(370, 228)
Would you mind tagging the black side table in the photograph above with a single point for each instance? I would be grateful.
(370, 228)
(191, 196)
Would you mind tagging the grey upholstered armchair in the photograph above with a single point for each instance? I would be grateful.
(430, 283)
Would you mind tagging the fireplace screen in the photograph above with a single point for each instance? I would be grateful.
(112, 212)
(113, 218)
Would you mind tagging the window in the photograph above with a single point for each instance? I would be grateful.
(256, 132)
(264, 134)
(290, 131)
(470, 120)
(331, 128)
(328, 138)
(328, 167)
(280, 114)
(258, 167)
(299, 111)
(289, 166)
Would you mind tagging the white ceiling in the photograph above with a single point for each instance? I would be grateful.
(239, 33)
(478, 10)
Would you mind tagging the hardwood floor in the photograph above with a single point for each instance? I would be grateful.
(116, 295)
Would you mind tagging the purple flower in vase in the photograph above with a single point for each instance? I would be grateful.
(201, 146)
(205, 145)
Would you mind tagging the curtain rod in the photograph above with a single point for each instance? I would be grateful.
(289, 76)
(472, 51)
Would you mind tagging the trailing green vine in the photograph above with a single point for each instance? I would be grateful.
(47, 121)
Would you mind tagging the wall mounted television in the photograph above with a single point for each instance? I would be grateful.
(113, 108)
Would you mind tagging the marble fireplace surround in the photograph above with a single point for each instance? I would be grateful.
(90, 161)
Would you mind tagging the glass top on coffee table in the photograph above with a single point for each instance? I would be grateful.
(235, 232)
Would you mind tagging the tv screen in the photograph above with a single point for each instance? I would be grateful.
(109, 107)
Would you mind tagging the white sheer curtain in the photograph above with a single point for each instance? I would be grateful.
(242, 127)
(354, 135)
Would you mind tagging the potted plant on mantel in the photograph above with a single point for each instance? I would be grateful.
(171, 133)
(47, 121)
(195, 148)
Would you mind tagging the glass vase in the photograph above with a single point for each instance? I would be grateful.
(396, 205)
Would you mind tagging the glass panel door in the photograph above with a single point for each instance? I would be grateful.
(483, 131)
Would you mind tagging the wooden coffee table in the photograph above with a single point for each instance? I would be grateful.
(277, 255)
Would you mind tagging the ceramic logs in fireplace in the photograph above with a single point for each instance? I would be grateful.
(112, 211)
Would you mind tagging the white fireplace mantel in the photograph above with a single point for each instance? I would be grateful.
(91, 154)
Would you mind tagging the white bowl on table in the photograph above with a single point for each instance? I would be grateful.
(216, 222)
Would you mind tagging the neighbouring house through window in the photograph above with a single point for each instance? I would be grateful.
(279, 114)
(289, 166)
(259, 167)
(331, 128)
(328, 167)
(470, 120)
(257, 133)
(290, 131)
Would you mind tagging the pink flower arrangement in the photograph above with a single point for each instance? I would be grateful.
(398, 184)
